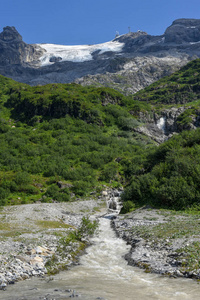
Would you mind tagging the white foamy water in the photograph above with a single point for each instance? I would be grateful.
(161, 123)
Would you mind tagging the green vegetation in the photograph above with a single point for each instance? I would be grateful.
(52, 224)
(72, 244)
(81, 136)
(86, 229)
(85, 138)
(171, 175)
(178, 225)
(190, 259)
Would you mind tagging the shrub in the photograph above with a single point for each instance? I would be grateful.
(22, 178)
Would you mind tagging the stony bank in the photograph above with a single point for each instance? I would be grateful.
(162, 241)
(33, 238)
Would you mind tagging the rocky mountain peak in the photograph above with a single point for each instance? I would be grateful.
(10, 34)
(183, 31)
(14, 52)
(130, 36)
(186, 22)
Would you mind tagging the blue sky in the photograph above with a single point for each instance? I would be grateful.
(74, 22)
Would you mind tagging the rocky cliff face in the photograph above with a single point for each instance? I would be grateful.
(183, 31)
(128, 63)
(160, 127)
(13, 51)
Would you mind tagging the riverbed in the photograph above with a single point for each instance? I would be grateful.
(103, 273)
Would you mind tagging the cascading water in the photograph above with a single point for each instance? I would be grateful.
(113, 202)
(161, 124)
(104, 274)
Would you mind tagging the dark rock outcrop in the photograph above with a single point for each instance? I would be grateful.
(183, 31)
(10, 34)
(14, 52)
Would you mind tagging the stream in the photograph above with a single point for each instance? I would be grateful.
(103, 274)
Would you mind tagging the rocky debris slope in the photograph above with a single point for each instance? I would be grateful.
(141, 59)
(31, 234)
(161, 241)
(136, 73)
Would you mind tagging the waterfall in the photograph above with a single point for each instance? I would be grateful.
(113, 201)
(161, 124)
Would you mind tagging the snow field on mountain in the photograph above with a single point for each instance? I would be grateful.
(78, 53)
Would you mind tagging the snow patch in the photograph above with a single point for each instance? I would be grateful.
(78, 53)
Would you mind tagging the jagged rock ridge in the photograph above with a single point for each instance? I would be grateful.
(14, 52)
(128, 63)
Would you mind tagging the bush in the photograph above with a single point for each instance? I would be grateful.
(86, 228)
(81, 188)
(3, 195)
(22, 178)
(109, 172)
(128, 206)
(61, 195)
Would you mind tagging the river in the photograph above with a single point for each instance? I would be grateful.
(104, 274)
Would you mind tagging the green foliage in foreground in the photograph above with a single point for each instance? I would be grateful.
(171, 177)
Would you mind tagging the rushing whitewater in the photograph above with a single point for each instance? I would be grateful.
(75, 53)
(104, 274)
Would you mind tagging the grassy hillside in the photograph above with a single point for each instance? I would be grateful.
(170, 174)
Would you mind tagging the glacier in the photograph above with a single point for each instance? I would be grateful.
(76, 53)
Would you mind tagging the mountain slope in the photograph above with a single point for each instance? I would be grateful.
(128, 63)
(179, 88)
(175, 103)
(63, 141)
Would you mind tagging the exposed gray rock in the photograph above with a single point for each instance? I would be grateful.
(183, 31)
(160, 127)
(55, 59)
(14, 53)
(137, 72)
(63, 185)
(10, 34)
